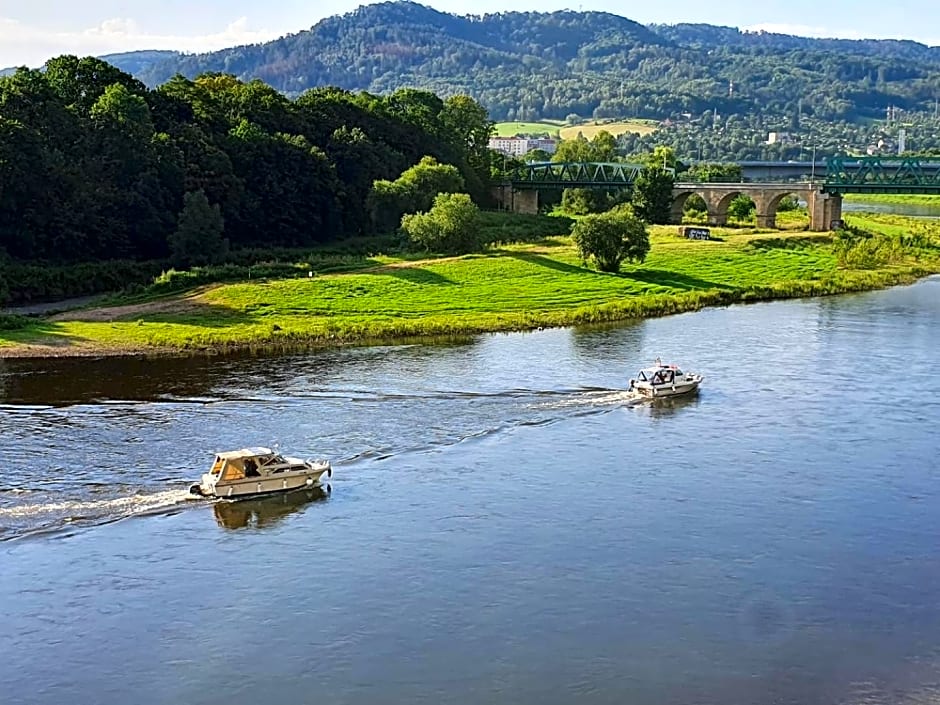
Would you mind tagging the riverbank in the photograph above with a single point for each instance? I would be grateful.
(913, 199)
(516, 287)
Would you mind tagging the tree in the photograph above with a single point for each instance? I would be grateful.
(469, 129)
(602, 148)
(652, 195)
(198, 238)
(451, 226)
(741, 207)
(413, 191)
(581, 201)
(611, 238)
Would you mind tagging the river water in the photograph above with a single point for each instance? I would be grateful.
(504, 526)
(914, 210)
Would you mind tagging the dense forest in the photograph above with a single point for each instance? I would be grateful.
(96, 166)
(527, 65)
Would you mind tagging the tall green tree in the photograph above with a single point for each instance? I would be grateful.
(198, 239)
(652, 195)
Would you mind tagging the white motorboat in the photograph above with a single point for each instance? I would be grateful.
(256, 471)
(664, 381)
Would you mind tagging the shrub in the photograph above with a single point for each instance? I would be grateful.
(856, 248)
(611, 238)
(501, 226)
(10, 321)
(451, 226)
(741, 208)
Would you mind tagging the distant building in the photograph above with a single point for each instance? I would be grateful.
(779, 138)
(518, 146)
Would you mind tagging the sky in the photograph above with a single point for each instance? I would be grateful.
(32, 31)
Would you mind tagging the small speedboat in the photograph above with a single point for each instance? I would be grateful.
(256, 471)
(664, 381)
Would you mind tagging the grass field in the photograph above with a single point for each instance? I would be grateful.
(641, 127)
(917, 199)
(509, 288)
(558, 128)
(510, 129)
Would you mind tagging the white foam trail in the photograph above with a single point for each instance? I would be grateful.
(611, 398)
(135, 504)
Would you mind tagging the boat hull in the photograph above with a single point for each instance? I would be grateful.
(256, 486)
(663, 391)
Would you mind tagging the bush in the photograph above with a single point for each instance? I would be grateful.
(695, 204)
(451, 226)
(741, 208)
(36, 282)
(9, 321)
(501, 226)
(611, 238)
(856, 248)
(581, 201)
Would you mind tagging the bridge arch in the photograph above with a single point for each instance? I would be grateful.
(824, 208)
(679, 201)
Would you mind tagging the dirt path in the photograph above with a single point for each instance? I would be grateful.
(176, 304)
(44, 309)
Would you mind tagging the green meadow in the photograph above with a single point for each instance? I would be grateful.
(509, 287)
(511, 129)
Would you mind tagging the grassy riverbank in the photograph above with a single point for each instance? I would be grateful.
(508, 288)
(913, 199)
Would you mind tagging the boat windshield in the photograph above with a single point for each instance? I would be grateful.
(664, 376)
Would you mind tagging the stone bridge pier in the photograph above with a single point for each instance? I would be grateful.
(517, 200)
(824, 208)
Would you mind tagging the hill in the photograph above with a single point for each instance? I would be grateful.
(133, 62)
(526, 66)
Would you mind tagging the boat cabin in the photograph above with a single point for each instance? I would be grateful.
(662, 374)
(247, 462)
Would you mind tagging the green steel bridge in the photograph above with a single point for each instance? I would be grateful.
(545, 175)
(882, 175)
(841, 175)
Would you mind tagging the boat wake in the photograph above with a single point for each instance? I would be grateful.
(31, 517)
(594, 398)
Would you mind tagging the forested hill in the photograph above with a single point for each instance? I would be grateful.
(548, 65)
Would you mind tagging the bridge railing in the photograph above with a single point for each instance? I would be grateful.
(573, 174)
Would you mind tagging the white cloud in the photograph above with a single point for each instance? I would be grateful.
(22, 44)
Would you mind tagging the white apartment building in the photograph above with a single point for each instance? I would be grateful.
(518, 146)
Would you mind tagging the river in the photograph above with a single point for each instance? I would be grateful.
(913, 210)
(504, 526)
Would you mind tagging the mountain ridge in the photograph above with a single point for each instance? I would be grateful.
(530, 65)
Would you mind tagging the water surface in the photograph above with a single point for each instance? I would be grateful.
(504, 527)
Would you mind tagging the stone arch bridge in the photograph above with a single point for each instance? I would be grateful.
(824, 208)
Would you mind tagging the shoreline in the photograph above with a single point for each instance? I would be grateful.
(642, 307)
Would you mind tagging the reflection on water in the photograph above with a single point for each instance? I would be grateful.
(669, 406)
(265, 512)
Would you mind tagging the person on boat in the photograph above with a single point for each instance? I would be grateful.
(251, 468)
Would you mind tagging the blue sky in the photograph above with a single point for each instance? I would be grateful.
(33, 30)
